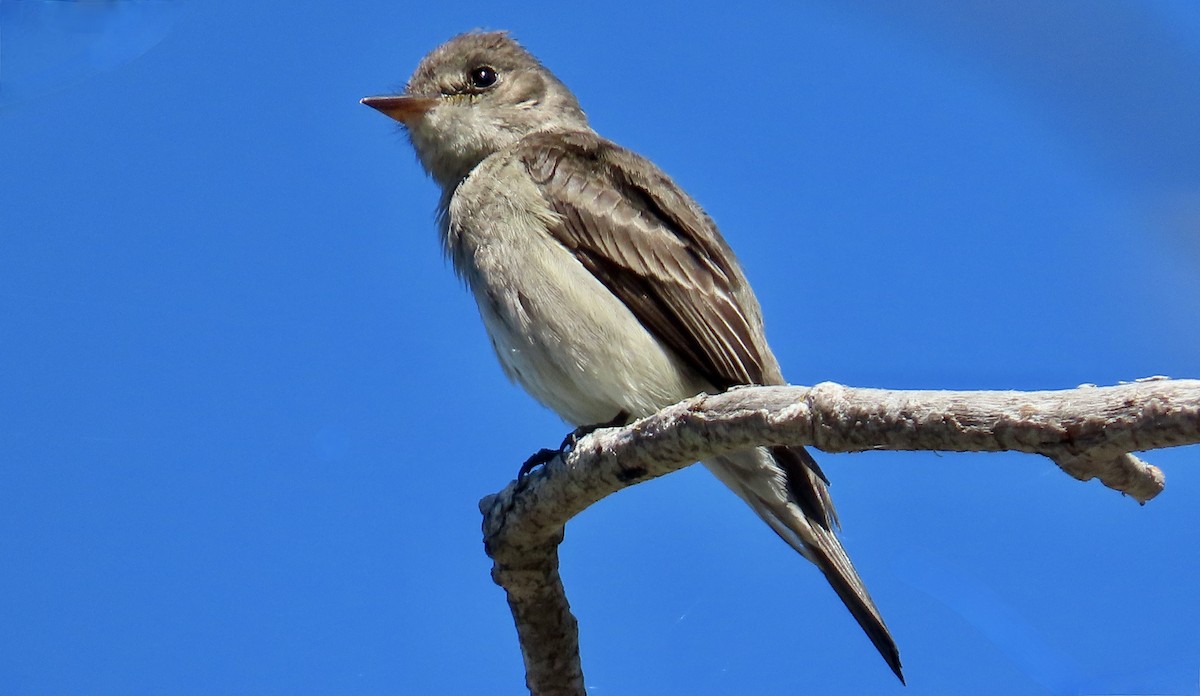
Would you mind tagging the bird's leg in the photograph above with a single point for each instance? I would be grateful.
(543, 456)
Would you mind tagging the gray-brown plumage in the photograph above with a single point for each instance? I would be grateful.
(603, 286)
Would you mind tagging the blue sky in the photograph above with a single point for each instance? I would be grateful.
(246, 411)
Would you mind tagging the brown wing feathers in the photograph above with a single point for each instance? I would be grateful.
(663, 261)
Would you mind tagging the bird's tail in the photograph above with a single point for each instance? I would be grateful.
(786, 488)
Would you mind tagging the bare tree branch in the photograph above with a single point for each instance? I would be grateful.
(1089, 432)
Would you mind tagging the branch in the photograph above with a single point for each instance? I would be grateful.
(1089, 432)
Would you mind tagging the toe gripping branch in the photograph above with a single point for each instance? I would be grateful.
(544, 455)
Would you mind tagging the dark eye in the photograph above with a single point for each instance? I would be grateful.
(482, 77)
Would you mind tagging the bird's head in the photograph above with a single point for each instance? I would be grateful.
(475, 95)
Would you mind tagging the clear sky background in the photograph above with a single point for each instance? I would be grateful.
(246, 411)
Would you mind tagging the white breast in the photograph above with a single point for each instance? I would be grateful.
(558, 331)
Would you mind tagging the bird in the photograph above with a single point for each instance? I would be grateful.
(606, 291)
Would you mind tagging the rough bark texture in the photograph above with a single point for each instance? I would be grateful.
(1089, 432)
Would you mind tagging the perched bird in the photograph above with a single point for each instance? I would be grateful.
(606, 290)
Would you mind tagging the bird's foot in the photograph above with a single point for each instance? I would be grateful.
(583, 431)
(543, 456)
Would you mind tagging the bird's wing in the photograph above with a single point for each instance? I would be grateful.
(645, 239)
(656, 250)
(641, 236)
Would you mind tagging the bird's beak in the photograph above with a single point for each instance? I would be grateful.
(403, 109)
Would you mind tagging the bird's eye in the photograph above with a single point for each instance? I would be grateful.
(482, 77)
